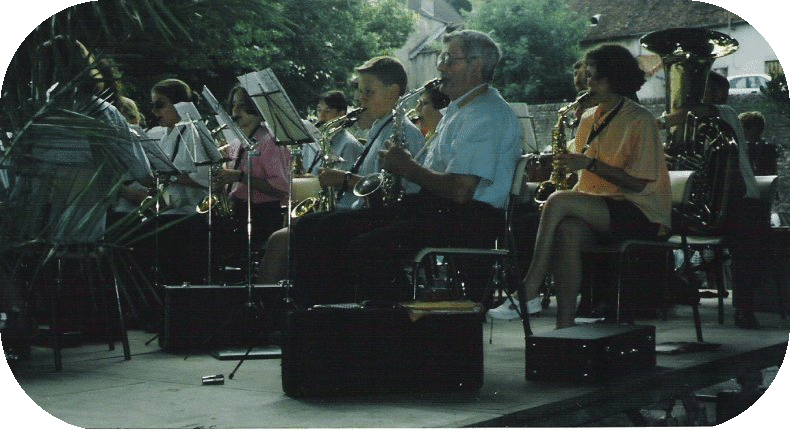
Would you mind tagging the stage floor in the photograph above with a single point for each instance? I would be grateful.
(156, 389)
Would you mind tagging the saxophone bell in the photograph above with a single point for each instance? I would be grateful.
(324, 201)
(384, 188)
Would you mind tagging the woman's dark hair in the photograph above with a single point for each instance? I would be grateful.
(335, 99)
(249, 105)
(63, 60)
(176, 90)
(619, 66)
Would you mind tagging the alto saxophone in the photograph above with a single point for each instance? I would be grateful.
(325, 201)
(218, 202)
(560, 178)
(384, 187)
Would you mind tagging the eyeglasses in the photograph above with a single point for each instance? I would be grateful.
(447, 60)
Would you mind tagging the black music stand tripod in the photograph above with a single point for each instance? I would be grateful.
(288, 129)
(251, 310)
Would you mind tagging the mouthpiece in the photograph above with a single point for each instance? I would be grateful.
(354, 113)
(434, 83)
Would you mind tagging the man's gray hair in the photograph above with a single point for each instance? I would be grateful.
(476, 44)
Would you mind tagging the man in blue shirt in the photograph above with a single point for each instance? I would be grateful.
(463, 184)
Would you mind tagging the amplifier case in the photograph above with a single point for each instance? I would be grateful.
(331, 350)
(205, 317)
(590, 353)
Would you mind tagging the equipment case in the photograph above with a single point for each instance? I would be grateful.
(204, 317)
(590, 353)
(352, 349)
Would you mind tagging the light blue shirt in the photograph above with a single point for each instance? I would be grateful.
(481, 137)
(413, 140)
(343, 144)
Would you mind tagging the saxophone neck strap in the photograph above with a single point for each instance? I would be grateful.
(597, 131)
(365, 152)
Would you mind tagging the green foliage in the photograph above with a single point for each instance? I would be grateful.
(333, 37)
(539, 41)
(777, 93)
(461, 6)
(311, 45)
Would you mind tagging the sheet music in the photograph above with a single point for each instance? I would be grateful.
(275, 107)
(192, 118)
(231, 130)
(159, 161)
(529, 139)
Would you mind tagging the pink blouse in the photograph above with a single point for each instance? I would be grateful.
(270, 162)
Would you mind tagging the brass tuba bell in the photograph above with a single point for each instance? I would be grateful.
(687, 55)
(705, 145)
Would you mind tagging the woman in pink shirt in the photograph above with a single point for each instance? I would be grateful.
(265, 167)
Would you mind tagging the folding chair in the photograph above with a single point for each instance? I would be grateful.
(432, 260)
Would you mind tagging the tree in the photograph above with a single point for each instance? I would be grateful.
(777, 93)
(539, 41)
(311, 46)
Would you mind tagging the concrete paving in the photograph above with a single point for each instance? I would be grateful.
(97, 388)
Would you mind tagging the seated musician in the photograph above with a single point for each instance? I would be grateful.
(382, 81)
(464, 179)
(748, 218)
(267, 169)
(429, 112)
(762, 154)
(342, 144)
(183, 243)
(623, 188)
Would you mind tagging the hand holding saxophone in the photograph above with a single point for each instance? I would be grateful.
(223, 177)
(573, 161)
(395, 159)
(330, 177)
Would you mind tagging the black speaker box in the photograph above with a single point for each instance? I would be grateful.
(339, 350)
(590, 353)
(205, 317)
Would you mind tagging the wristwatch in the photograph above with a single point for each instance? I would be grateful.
(592, 166)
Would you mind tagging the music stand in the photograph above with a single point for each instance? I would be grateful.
(192, 119)
(281, 117)
(279, 112)
(163, 167)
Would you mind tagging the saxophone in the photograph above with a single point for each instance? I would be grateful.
(560, 178)
(384, 188)
(325, 201)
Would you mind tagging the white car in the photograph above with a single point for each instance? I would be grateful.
(748, 84)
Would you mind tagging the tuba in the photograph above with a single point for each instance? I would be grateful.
(705, 145)
(687, 55)
(384, 187)
(560, 178)
(325, 201)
